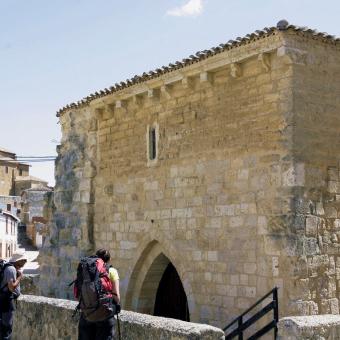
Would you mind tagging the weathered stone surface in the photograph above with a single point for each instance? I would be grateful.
(315, 327)
(39, 317)
(29, 284)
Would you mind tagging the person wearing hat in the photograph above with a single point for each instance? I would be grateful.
(9, 291)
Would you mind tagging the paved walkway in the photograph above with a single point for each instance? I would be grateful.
(32, 265)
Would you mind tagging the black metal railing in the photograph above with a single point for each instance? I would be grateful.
(243, 324)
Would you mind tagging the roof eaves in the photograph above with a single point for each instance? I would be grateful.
(11, 215)
(282, 25)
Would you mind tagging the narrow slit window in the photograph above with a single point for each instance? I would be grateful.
(152, 143)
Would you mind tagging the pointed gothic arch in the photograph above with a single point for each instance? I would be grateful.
(148, 280)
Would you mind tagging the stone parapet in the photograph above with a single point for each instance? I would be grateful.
(319, 327)
(29, 284)
(38, 317)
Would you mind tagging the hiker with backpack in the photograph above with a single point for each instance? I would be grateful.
(97, 290)
(10, 277)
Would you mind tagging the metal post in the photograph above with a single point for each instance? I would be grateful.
(276, 311)
(118, 326)
(240, 321)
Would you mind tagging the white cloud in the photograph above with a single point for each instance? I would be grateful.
(191, 8)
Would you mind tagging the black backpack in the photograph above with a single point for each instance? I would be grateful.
(3, 265)
(93, 289)
(6, 296)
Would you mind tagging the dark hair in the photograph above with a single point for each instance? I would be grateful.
(103, 254)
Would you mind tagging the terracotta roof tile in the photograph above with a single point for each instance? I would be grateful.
(6, 151)
(282, 25)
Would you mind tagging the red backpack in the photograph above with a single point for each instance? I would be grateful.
(93, 289)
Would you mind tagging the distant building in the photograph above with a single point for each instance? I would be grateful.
(11, 204)
(8, 234)
(33, 203)
(10, 169)
(14, 180)
(27, 182)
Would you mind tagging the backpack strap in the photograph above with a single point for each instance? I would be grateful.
(7, 264)
(76, 310)
(70, 284)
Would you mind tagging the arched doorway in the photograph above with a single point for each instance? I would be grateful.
(171, 300)
(154, 270)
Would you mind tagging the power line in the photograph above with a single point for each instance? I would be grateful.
(29, 160)
(32, 157)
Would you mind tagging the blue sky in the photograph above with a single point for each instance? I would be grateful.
(56, 52)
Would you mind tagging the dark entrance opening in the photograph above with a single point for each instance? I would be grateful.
(171, 300)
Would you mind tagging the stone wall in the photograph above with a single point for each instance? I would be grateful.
(214, 201)
(71, 226)
(29, 284)
(315, 284)
(39, 317)
(35, 199)
(320, 327)
(8, 172)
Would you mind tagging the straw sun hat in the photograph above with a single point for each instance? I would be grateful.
(18, 257)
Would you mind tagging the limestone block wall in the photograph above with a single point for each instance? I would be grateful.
(71, 225)
(7, 174)
(215, 200)
(39, 317)
(29, 284)
(316, 141)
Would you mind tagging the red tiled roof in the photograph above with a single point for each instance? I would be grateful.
(39, 219)
(282, 25)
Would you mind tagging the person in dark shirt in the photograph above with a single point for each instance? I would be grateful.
(9, 291)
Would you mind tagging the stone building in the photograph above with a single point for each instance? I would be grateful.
(216, 177)
(23, 183)
(34, 203)
(14, 175)
(14, 181)
(10, 168)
